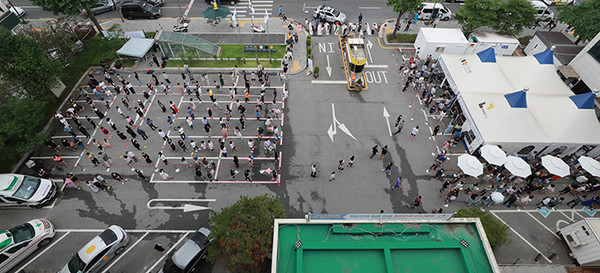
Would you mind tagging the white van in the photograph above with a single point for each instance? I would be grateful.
(542, 11)
(434, 8)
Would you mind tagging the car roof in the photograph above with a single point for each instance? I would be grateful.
(5, 239)
(190, 249)
(9, 182)
(97, 244)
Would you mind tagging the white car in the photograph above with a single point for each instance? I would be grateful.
(329, 14)
(191, 256)
(23, 190)
(19, 242)
(558, 2)
(98, 252)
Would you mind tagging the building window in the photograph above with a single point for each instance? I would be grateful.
(526, 150)
(595, 51)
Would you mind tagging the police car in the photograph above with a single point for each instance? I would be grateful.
(329, 14)
(19, 242)
(23, 190)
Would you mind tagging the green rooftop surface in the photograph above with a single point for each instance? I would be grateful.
(373, 248)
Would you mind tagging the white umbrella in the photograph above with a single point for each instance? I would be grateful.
(470, 165)
(497, 197)
(493, 154)
(555, 165)
(517, 166)
(591, 165)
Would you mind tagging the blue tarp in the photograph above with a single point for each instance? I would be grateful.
(487, 56)
(584, 101)
(517, 99)
(546, 57)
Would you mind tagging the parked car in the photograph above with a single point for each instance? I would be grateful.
(19, 242)
(542, 11)
(437, 9)
(103, 6)
(223, 2)
(23, 190)
(98, 252)
(191, 256)
(140, 9)
(558, 2)
(329, 14)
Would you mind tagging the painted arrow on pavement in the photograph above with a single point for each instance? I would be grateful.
(386, 115)
(184, 208)
(328, 68)
(369, 46)
(333, 127)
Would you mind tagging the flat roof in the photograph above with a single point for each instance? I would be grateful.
(444, 35)
(388, 246)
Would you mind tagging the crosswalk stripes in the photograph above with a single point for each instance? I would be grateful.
(243, 12)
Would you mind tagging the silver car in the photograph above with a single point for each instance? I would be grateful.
(191, 256)
(103, 6)
(19, 242)
(329, 14)
(98, 252)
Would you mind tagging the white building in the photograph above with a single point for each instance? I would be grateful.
(587, 65)
(521, 104)
(583, 240)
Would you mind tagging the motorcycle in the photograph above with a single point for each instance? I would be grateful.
(258, 28)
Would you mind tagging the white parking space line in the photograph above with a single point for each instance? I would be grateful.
(369, 7)
(43, 251)
(545, 227)
(168, 252)
(328, 82)
(51, 157)
(520, 236)
(376, 66)
(124, 253)
(127, 230)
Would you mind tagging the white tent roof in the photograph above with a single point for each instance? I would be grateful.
(136, 47)
(444, 35)
(550, 115)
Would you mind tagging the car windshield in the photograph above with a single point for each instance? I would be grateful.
(171, 267)
(335, 12)
(76, 264)
(148, 7)
(108, 236)
(27, 188)
(200, 239)
(22, 233)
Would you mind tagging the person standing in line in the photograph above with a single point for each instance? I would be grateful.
(170, 142)
(107, 160)
(181, 132)
(91, 121)
(436, 130)
(414, 132)
(236, 161)
(384, 152)
(247, 175)
(136, 144)
(182, 145)
(162, 134)
(83, 131)
(142, 133)
(151, 124)
(166, 78)
(93, 159)
(164, 175)
(374, 151)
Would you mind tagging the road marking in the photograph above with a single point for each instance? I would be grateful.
(376, 66)
(369, 7)
(539, 222)
(43, 251)
(520, 236)
(369, 46)
(185, 207)
(51, 157)
(386, 115)
(327, 82)
(209, 182)
(333, 127)
(126, 230)
(168, 252)
(123, 254)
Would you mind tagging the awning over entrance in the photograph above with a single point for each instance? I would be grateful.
(136, 47)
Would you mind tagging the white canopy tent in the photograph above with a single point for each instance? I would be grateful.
(545, 117)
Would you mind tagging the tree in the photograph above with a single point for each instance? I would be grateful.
(401, 7)
(479, 13)
(496, 231)
(23, 62)
(70, 7)
(20, 120)
(243, 232)
(516, 15)
(584, 19)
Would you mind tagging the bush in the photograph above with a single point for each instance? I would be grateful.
(150, 34)
(316, 70)
(496, 231)
(401, 38)
(309, 52)
(308, 40)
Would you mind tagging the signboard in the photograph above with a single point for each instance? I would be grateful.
(260, 48)
(383, 216)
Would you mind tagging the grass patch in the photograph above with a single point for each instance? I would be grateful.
(218, 63)
(94, 51)
(401, 38)
(235, 50)
(496, 231)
